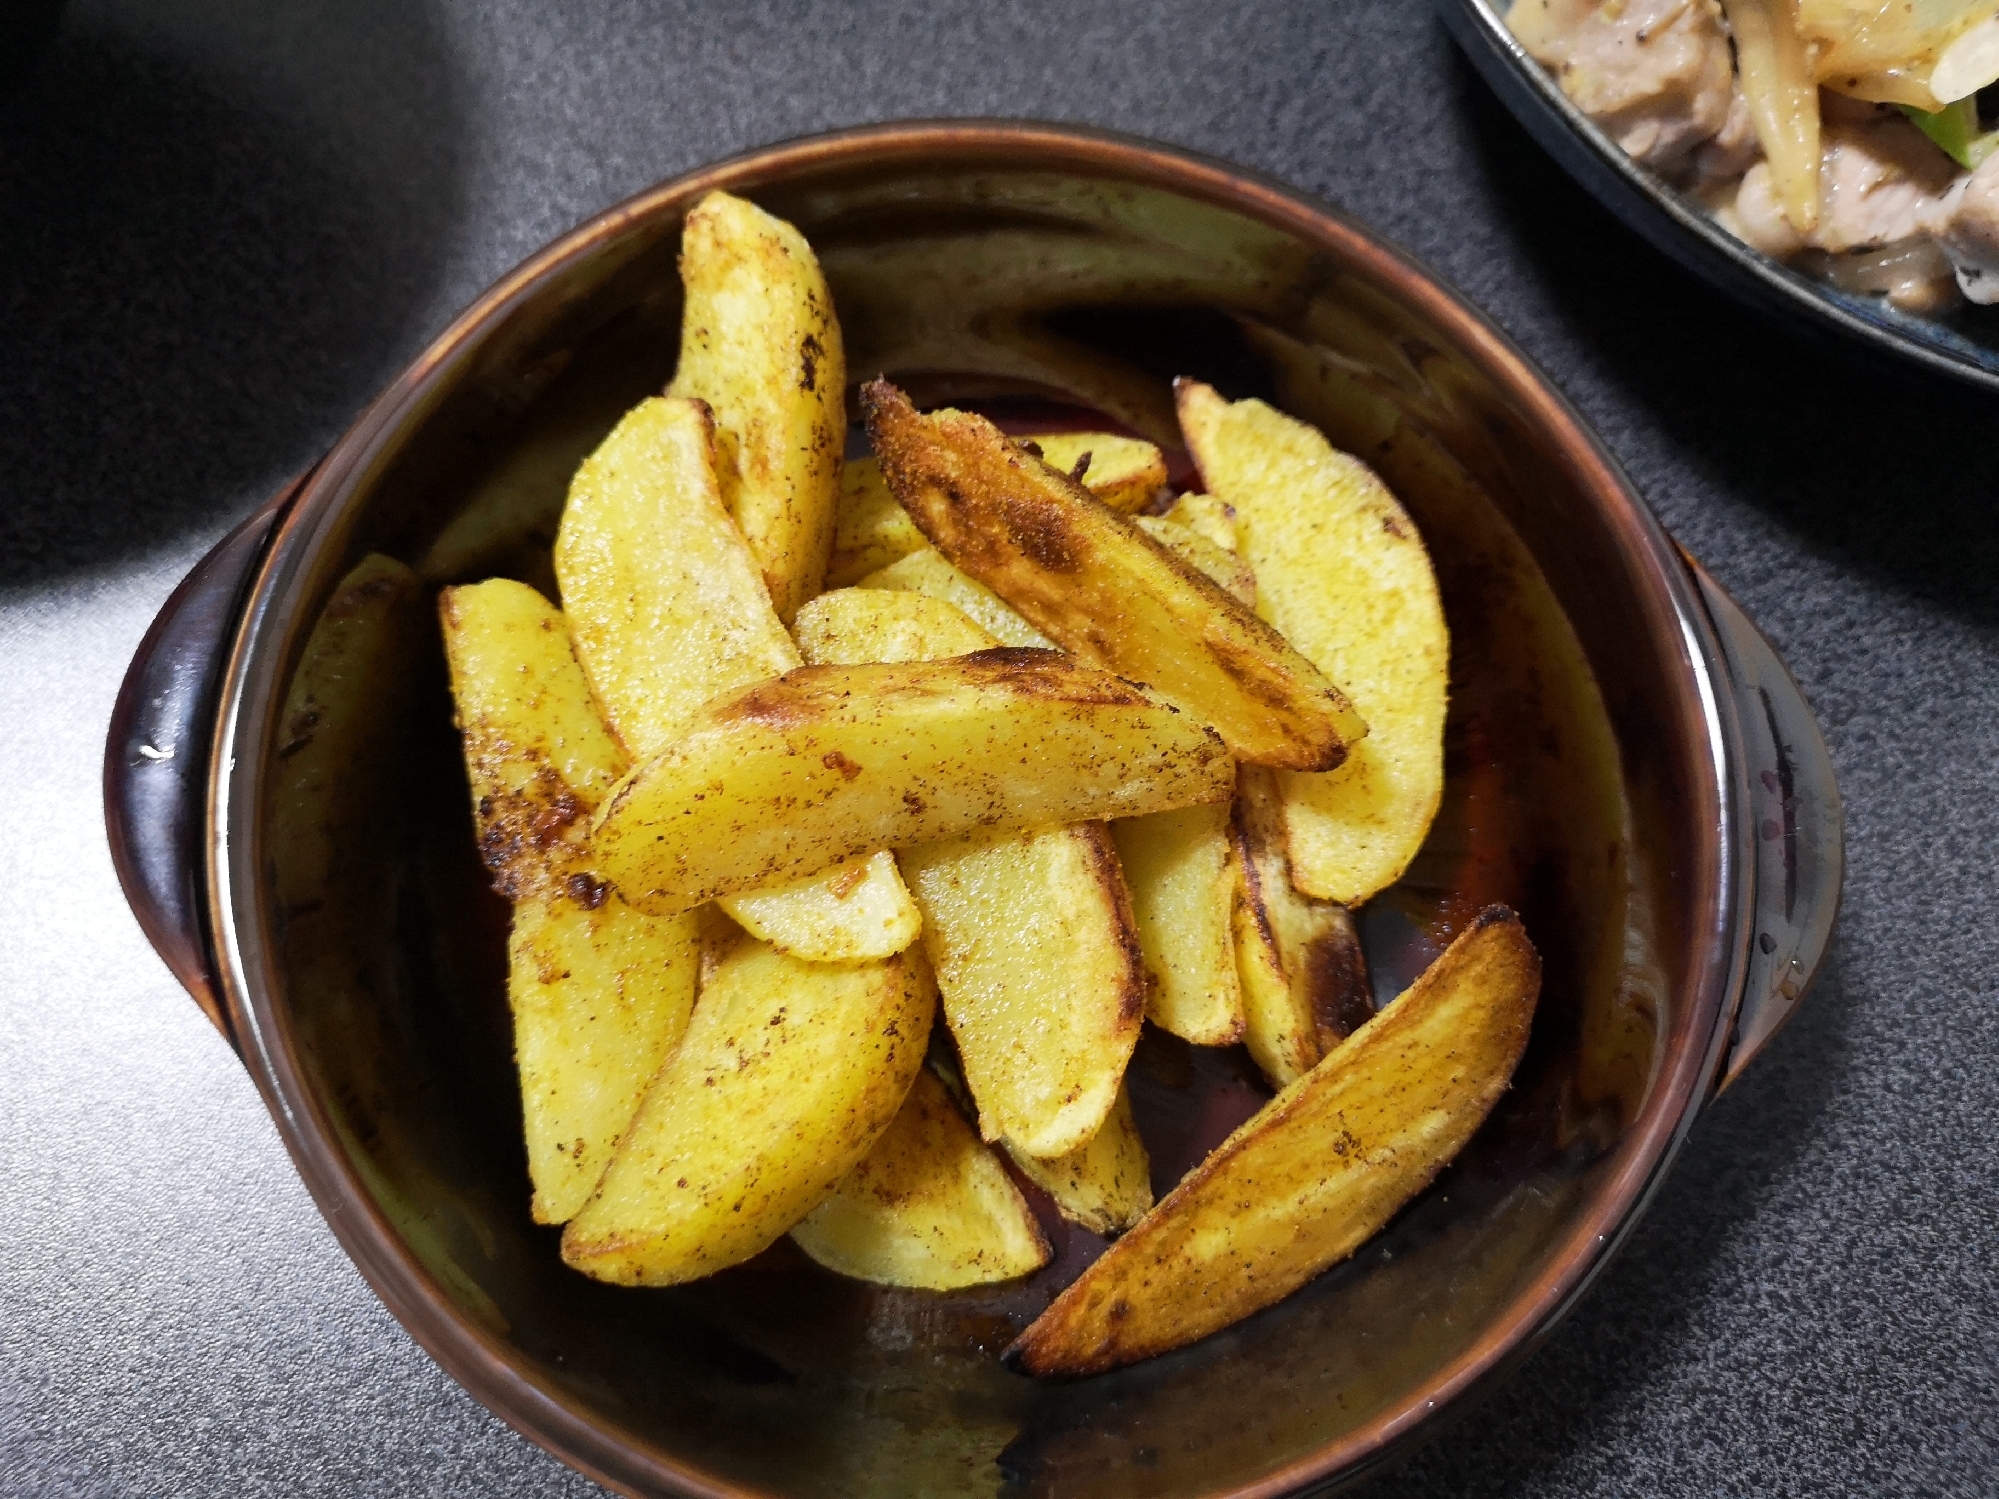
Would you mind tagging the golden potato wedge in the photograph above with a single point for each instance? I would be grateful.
(1101, 587)
(1304, 978)
(666, 604)
(1219, 565)
(926, 572)
(759, 343)
(537, 751)
(1104, 1184)
(858, 909)
(668, 609)
(871, 530)
(792, 776)
(1030, 934)
(1315, 1173)
(1342, 573)
(930, 1206)
(788, 1074)
(1181, 869)
(1124, 472)
(600, 993)
(1208, 515)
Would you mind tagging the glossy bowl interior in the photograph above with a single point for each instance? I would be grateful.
(363, 956)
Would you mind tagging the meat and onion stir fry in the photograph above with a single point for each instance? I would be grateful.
(1842, 136)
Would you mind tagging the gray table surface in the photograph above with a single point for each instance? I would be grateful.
(223, 223)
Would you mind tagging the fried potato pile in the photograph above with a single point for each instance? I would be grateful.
(815, 751)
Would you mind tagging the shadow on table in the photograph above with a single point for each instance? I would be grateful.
(200, 286)
(1884, 468)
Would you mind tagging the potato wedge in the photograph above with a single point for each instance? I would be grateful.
(787, 1076)
(666, 604)
(1103, 588)
(1104, 1184)
(1304, 978)
(1315, 1173)
(857, 910)
(1210, 516)
(1180, 867)
(1124, 472)
(930, 1206)
(1342, 573)
(927, 572)
(759, 343)
(1030, 934)
(668, 609)
(600, 993)
(1221, 566)
(792, 776)
(871, 530)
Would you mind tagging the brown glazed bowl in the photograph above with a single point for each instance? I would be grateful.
(1629, 766)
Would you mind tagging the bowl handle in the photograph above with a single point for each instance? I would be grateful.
(1794, 804)
(156, 755)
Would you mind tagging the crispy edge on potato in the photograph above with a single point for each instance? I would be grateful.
(1180, 867)
(787, 1076)
(1224, 568)
(930, 1206)
(1098, 585)
(668, 609)
(1031, 935)
(760, 343)
(1315, 1173)
(1341, 571)
(791, 776)
(870, 530)
(1104, 1184)
(1304, 978)
(926, 572)
(600, 993)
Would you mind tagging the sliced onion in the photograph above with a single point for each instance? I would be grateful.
(1968, 64)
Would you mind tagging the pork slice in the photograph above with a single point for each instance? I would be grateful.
(1966, 224)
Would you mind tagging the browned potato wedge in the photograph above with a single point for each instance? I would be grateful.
(871, 530)
(668, 609)
(600, 993)
(930, 1206)
(1304, 978)
(1105, 1184)
(792, 776)
(1030, 934)
(1101, 587)
(760, 344)
(926, 572)
(787, 1076)
(1342, 573)
(1181, 870)
(1218, 564)
(1315, 1173)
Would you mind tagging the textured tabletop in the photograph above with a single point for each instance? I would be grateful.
(223, 223)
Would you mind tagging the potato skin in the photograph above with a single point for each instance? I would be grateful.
(930, 1206)
(787, 1076)
(791, 776)
(1104, 589)
(759, 342)
(1315, 1173)
(1341, 571)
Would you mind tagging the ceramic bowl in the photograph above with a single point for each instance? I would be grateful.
(1629, 766)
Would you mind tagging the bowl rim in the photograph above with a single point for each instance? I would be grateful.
(257, 665)
(1675, 224)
